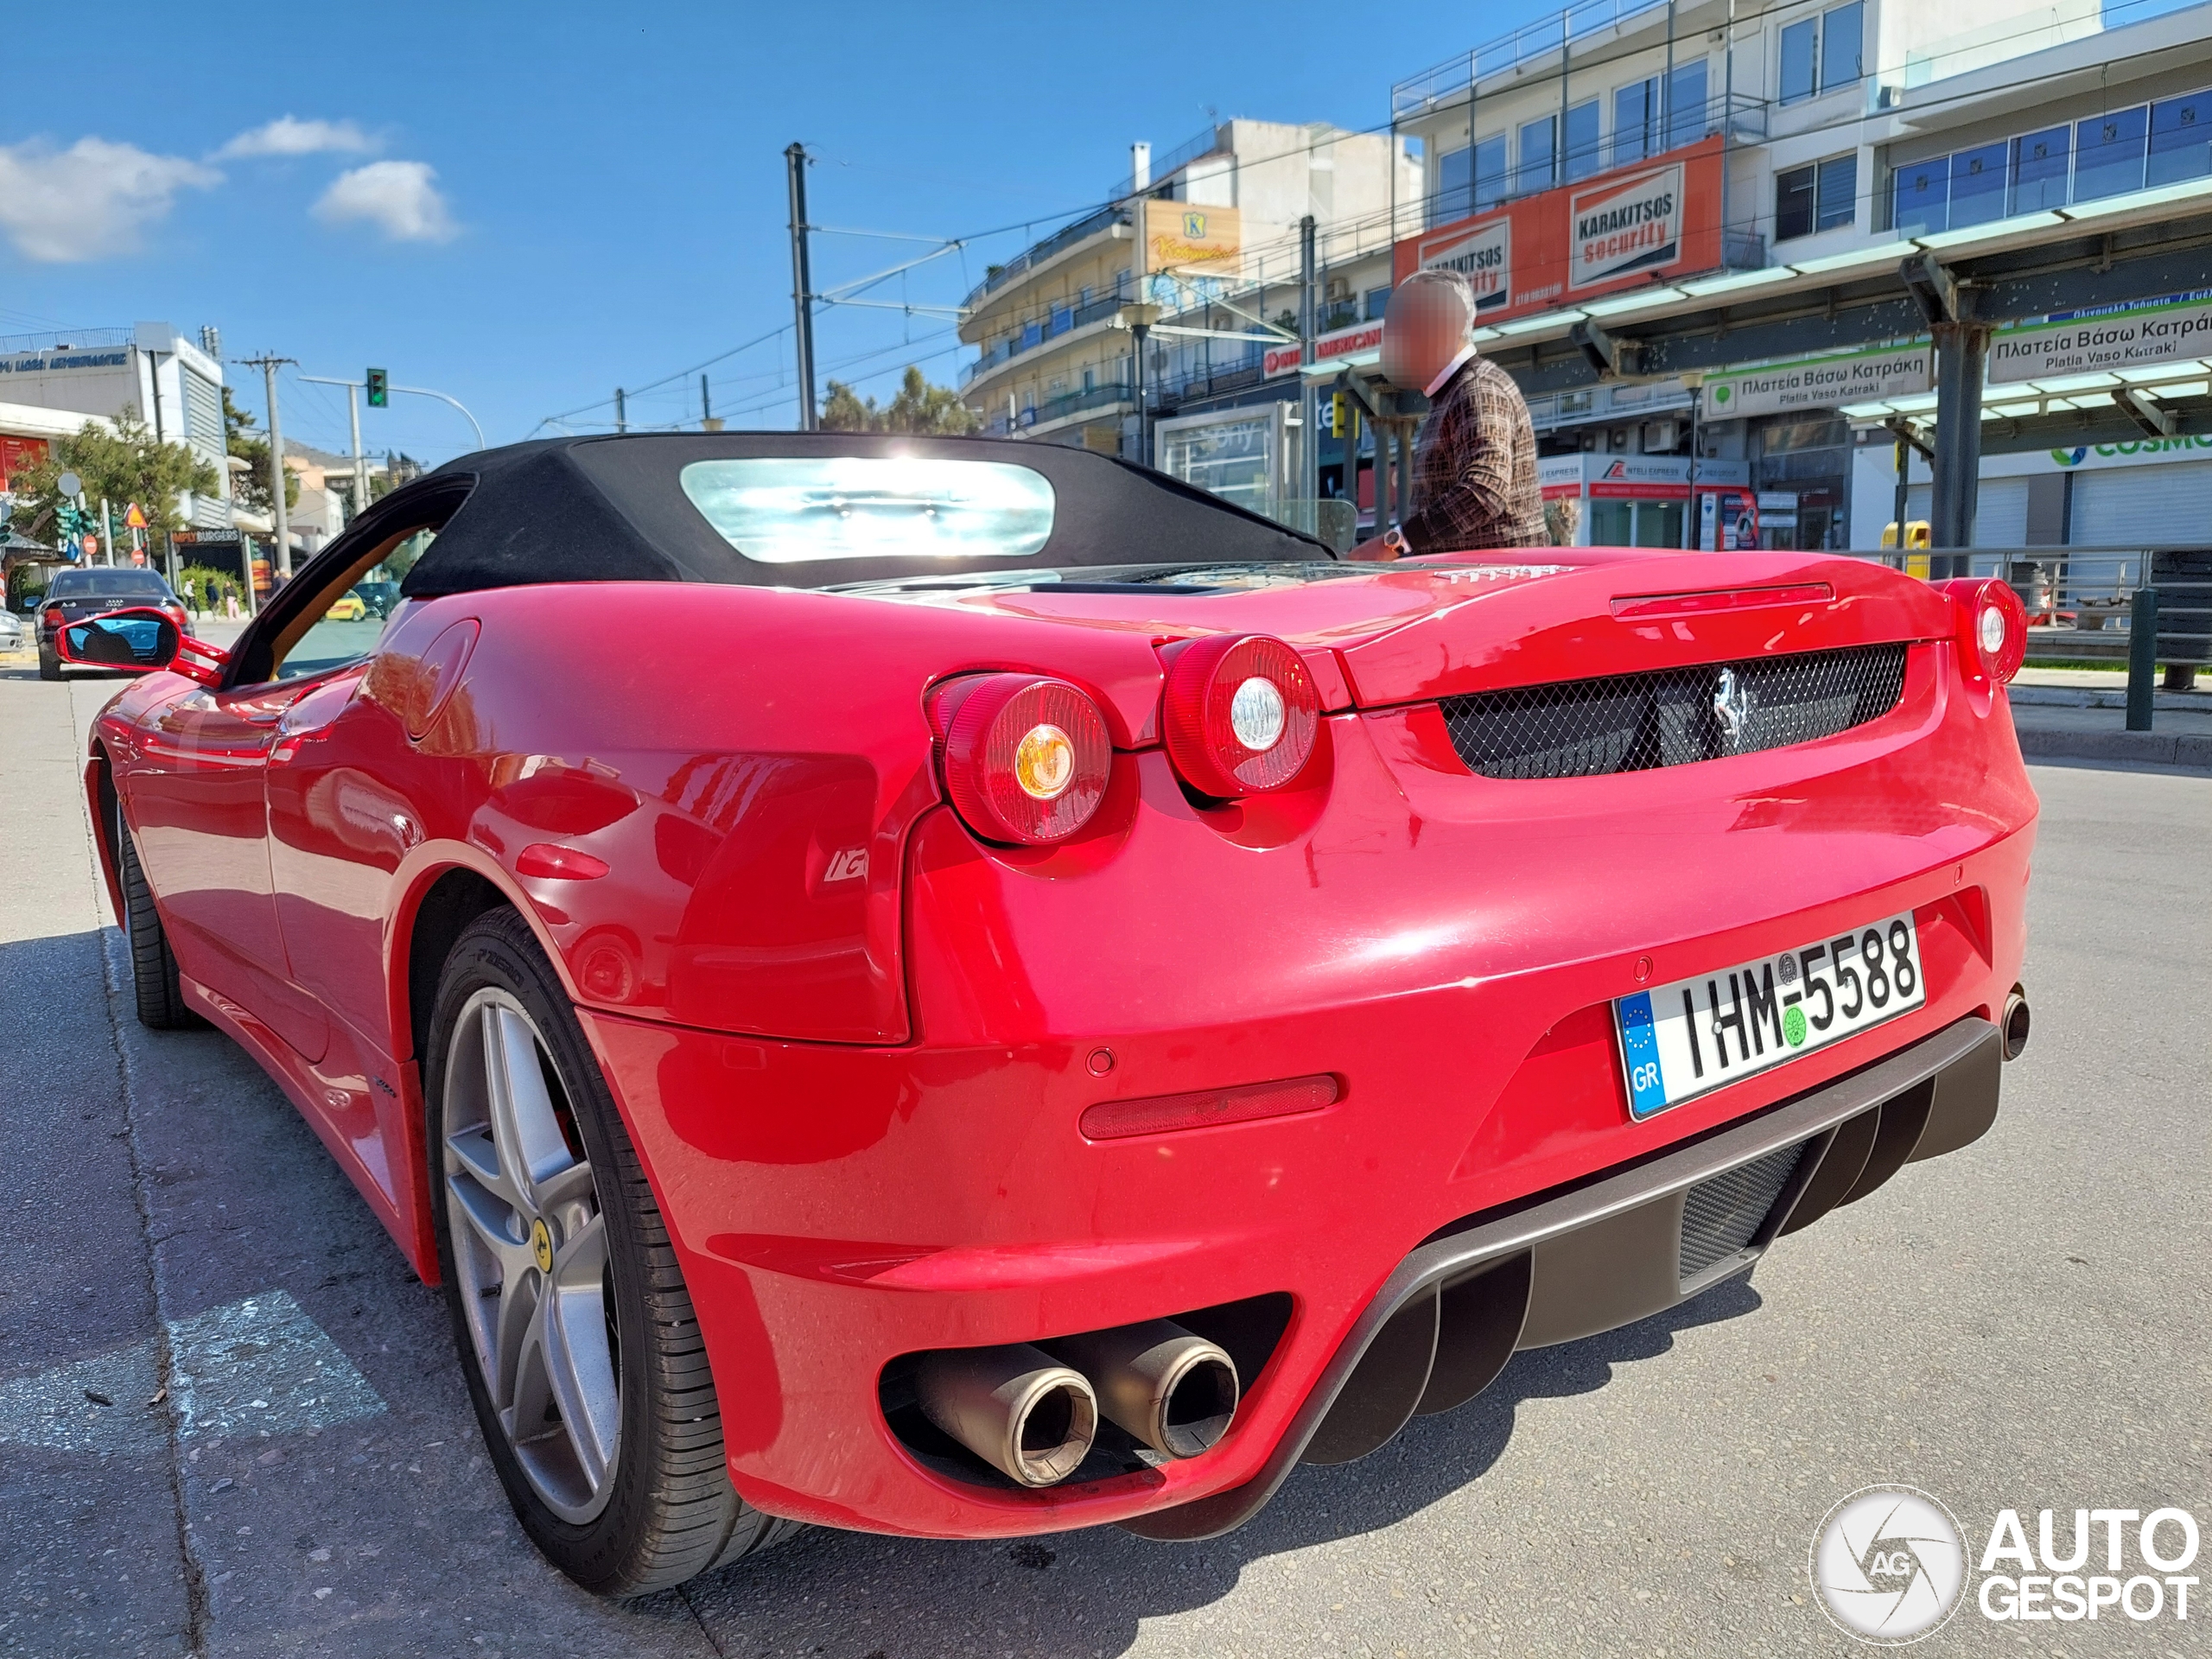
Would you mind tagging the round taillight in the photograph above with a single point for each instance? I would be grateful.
(1241, 715)
(1993, 626)
(1026, 758)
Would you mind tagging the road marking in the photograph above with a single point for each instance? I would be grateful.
(261, 1364)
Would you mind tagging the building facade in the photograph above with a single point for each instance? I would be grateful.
(1208, 240)
(51, 383)
(1613, 147)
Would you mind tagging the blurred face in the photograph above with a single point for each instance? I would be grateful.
(1427, 328)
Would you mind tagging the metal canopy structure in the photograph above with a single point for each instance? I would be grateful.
(1958, 285)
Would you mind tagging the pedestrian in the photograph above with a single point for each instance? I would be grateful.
(1475, 460)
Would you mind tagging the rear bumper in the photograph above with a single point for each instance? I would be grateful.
(1606, 1253)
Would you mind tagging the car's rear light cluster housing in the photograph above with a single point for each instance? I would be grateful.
(1241, 715)
(1992, 627)
(1027, 757)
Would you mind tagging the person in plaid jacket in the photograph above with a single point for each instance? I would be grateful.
(1475, 460)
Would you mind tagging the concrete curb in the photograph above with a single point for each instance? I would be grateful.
(2150, 748)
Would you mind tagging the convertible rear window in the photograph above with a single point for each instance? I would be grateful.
(796, 510)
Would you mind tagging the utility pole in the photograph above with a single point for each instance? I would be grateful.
(802, 284)
(706, 421)
(268, 365)
(621, 412)
(1309, 403)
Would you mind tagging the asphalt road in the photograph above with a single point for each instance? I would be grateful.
(2023, 1325)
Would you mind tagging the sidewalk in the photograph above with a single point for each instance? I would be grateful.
(2081, 714)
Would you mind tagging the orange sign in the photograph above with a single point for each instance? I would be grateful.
(1617, 231)
(1193, 239)
(134, 518)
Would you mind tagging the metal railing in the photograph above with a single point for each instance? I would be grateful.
(1205, 141)
(1576, 23)
(1066, 236)
(2147, 606)
(1057, 321)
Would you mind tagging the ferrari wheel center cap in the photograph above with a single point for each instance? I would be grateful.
(541, 1246)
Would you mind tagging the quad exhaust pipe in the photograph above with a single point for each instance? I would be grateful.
(2014, 1025)
(1032, 1414)
(1171, 1391)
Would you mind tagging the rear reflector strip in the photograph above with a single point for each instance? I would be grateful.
(1115, 1120)
(1644, 607)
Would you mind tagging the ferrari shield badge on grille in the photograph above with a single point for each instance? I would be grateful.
(1731, 703)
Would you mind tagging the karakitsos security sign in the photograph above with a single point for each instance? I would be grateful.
(1624, 224)
(2119, 340)
(1826, 382)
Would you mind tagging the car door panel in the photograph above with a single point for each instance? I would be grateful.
(197, 798)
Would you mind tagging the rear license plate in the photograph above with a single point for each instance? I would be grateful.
(1682, 1040)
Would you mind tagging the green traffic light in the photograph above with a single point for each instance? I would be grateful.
(379, 389)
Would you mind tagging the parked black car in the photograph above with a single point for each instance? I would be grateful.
(73, 595)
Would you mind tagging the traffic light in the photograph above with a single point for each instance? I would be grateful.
(1344, 416)
(379, 389)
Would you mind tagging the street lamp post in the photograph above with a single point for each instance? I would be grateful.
(1138, 319)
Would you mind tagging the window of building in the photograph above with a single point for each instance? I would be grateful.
(1800, 60)
(1582, 156)
(1815, 198)
(1455, 185)
(2039, 170)
(1539, 152)
(2180, 140)
(1842, 36)
(1688, 118)
(1636, 107)
(1923, 199)
(1490, 172)
(1819, 54)
(1378, 303)
(1977, 186)
(2108, 153)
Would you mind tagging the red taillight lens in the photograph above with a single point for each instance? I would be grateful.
(1026, 759)
(55, 618)
(1114, 1120)
(1993, 629)
(1241, 715)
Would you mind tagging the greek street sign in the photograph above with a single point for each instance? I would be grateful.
(1821, 382)
(2119, 340)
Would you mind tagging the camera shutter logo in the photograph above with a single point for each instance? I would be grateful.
(1889, 1565)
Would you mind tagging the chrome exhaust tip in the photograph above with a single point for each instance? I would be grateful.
(2015, 1023)
(1168, 1388)
(1029, 1417)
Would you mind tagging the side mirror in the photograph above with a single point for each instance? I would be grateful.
(139, 640)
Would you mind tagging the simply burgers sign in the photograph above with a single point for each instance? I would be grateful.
(1658, 218)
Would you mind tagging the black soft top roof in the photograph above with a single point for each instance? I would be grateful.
(612, 509)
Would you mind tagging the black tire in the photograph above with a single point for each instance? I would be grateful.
(668, 1511)
(154, 981)
(49, 666)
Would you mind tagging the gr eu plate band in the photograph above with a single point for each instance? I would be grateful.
(1456, 1254)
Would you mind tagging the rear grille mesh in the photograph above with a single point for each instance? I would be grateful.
(1632, 723)
(1722, 1215)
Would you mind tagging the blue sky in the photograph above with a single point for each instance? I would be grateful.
(526, 207)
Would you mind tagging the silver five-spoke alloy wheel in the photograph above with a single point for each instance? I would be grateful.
(529, 1252)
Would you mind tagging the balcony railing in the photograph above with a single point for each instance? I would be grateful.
(1205, 141)
(1066, 236)
(1059, 321)
(1510, 50)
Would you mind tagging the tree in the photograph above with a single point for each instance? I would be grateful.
(125, 465)
(250, 489)
(920, 407)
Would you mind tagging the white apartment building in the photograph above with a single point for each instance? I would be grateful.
(1209, 237)
(1634, 141)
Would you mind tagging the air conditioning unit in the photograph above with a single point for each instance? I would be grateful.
(1660, 437)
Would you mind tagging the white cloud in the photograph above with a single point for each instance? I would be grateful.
(398, 197)
(90, 199)
(290, 135)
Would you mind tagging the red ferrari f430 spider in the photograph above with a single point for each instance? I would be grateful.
(964, 988)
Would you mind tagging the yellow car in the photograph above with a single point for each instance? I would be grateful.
(350, 608)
